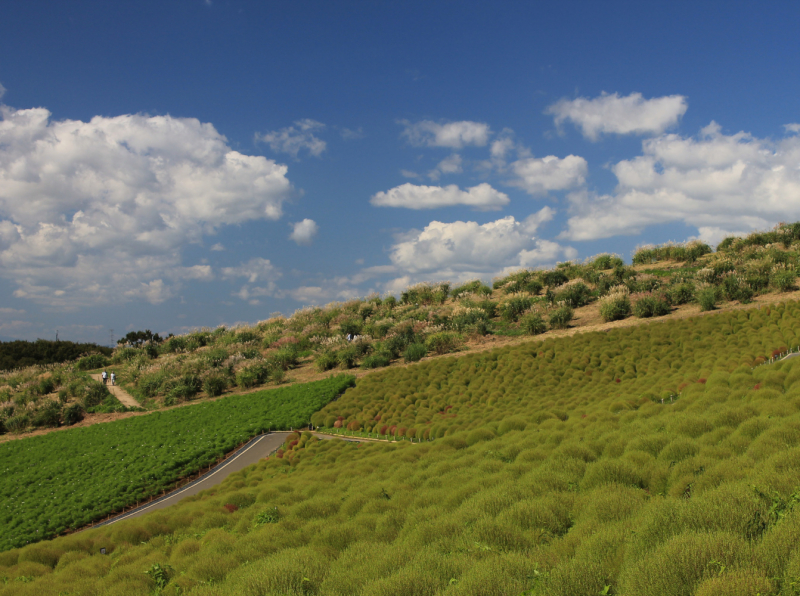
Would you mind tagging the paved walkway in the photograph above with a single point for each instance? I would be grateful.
(258, 448)
(123, 396)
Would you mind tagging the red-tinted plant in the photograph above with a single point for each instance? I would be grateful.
(701, 381)
(337, 424)
(230, 507)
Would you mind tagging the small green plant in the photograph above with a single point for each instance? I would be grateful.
(707, 298)
(215, 385)
(72, 414)
(651, 305)
(784, 281)
(561, 317)
(160, 574)
(533, 324)
(574, 294)
(92, 361)
(513, 308)
(270, 516)
(681, 293)
(326, 361)
(377, 360)
(615, 305)
(443, 342)
(415, 352)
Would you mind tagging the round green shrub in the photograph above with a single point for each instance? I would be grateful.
(707, 298)
(784, 281)
(512, 309)
(655, 305)
(533, 324)
(443, 343)
(72, 414)
(92, 361)
(215, 385)
(415, 352)
(615, 309)
(377, 360)
(326, 361)
(561, 317)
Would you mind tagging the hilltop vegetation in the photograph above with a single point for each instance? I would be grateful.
(646, 460)
(558, 471)
(434, 319)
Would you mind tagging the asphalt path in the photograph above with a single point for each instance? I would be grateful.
(258, 448)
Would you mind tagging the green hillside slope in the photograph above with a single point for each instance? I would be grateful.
(555, 469)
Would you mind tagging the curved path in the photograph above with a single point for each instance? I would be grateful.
(123, 396)
(258, 448)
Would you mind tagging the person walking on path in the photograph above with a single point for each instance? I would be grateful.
(113, 379)
(105, 378)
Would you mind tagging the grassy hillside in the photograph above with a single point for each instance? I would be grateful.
(557, 470)
(428, 320)
(70, 479)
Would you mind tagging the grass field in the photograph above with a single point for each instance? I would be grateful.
(68, 479)
(556, 469)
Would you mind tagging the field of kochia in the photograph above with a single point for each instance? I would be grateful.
(68, 479)
(557, 471)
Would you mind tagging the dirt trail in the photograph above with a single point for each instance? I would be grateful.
(123, 396)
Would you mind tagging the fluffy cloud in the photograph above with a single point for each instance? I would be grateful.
(254, 270)
(2, 91)
(449, 165)
(411, 196)
(293, 139)
(257, 271)
(792, 128)
(717, 183)
(303, 232)
(620, 115)
(94, 212)
(452, 134)
(540, 175)
(448, 249)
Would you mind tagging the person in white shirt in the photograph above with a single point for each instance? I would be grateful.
(113, 378)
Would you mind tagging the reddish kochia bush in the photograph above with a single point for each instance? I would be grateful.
(230, 508)
(354, 425)
(337, 424)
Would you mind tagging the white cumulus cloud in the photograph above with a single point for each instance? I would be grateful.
(631, 114)
(449, 165)
(94, 212)
(412, 196)
(540, 175)
(293, 139)
(450, 134)
(303, 232)
(448, 249)
(717, 183)
(257, 271)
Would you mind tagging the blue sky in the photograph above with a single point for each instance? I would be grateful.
(172, 165)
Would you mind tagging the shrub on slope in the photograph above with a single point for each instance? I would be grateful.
(548, 480)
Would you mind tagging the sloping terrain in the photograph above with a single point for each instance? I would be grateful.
(658, 459)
